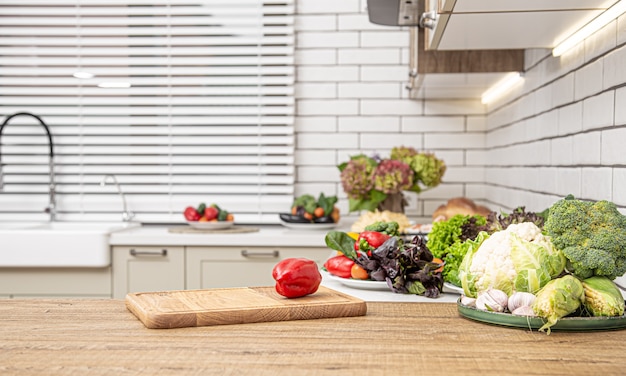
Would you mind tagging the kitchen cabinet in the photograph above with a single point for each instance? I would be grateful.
(55, 282)
(513, 24)
(214, 267)
(137, 269)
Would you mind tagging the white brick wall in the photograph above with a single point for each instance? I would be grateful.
(350, 99)
(537, 153)
(563, 132)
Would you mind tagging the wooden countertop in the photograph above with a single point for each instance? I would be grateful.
(100, 337)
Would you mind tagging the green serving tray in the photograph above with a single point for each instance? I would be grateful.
(573, 324)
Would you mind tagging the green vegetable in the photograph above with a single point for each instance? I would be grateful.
(342, 242)
(519, 258)
(221, 216)
(602, 297)
(557, 299)
(445, 233)
(389, 228)
(201, 208)
(592, 236)
(326, 203)
(454, 257)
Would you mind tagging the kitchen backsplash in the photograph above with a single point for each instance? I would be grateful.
(560, 133)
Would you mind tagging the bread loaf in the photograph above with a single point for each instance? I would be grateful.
(459, 205)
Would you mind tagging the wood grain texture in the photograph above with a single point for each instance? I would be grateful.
(101, 337)
(184, 308)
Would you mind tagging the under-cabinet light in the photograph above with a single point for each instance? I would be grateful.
(83, 75)
(594, 25)
(114, 84)
(501, 87)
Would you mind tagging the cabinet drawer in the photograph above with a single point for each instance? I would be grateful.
(56, 282)
(220, 267)
(141, 269)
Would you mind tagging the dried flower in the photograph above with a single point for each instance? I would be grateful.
(393, 176)
(357, 177)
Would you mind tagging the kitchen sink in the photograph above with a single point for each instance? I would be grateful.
(58, 244)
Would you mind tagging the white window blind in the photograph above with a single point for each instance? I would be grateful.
(189, 102)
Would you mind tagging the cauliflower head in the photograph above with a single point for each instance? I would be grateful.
(519, 258)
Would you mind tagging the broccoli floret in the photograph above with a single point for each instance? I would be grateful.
(592, 235)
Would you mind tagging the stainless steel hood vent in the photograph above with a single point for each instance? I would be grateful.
(394, 12)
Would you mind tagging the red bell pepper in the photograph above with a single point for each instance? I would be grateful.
(341, 266)
(296, 277)
(370, 240)
(191, 214)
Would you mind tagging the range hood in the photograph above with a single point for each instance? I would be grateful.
(394, 12)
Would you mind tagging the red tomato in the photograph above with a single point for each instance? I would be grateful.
(210, 213)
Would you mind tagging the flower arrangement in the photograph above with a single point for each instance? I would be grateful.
(369, 181)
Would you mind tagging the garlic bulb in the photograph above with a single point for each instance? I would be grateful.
(467, 301)
(492, 300)
(523, 311)
(520, 299)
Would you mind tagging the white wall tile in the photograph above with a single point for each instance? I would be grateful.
(369, 90)
(614, 72)
(588, 80)
(326, 141)
(597, 183)
(369, 56)
(329, 189)
(327, 74)
(450, 157)
(619, 184)
(375, 124)
(621, 29)
(453, 107)
(316, 90)
(563, 90)
(327, 6)
(454, 140)
(315, 22)
(613, 147)
(476, 157)
(384, 38)
(390, 107)
(386, 141)
(476, 123)
(571, 119)
(433, 124)
(464, 175)
(327, 107)
(620, 106)
(562, 151)
(318, 174)
(316, 124)
(315, 56)
(310, 39)
(568, 181)
(393, 73)
(598, 111)
(306, 157)
(587, 147)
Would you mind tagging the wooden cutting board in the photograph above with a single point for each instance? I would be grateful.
(184, 308)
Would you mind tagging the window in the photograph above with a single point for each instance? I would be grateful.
(183, 101)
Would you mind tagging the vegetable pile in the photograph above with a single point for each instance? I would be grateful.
(203, 213)
(567, 262)
(308, 209)
(379, 254)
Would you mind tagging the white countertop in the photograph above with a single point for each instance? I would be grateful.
(267, 235)
(384, 295)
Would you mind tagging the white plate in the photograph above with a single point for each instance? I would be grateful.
(360, 283)
(449, 287)
(308, 226)
(210, 225)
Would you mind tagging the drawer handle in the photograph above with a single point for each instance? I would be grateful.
(133, 252)
(273, 254)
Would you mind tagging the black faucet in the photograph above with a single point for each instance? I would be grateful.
(52, 204)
